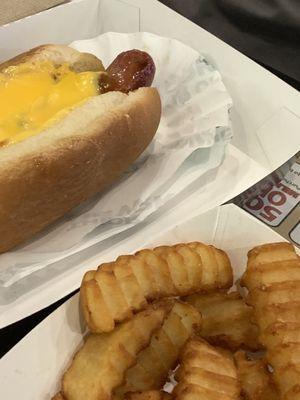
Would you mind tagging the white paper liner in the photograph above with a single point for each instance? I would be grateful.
(191, 140)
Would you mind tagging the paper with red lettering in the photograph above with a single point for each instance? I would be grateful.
(276, 200)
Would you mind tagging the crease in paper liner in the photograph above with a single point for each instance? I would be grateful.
(191, 139)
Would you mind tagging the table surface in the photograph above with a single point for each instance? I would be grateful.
(10, 335)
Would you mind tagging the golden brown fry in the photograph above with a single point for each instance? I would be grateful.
(206, 373)
(119, 289)
(156, 360)
(273, 280)
(148, 395)
(254, 378)
(271, 252)
(99, 366)
(226, 320)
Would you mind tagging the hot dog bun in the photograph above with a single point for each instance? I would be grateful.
(59, 54)
(81, 154)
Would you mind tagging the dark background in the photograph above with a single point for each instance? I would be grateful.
(268, 31)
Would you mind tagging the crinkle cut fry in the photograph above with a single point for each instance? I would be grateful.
(226, 320)
(119, 289)
(206, 372)
(273, 280)
(100, 364)
(255, 379)
(148, 395)
(155, 361)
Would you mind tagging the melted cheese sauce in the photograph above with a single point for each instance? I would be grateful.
(32, 94)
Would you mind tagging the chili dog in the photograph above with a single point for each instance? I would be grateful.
(68, 129)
